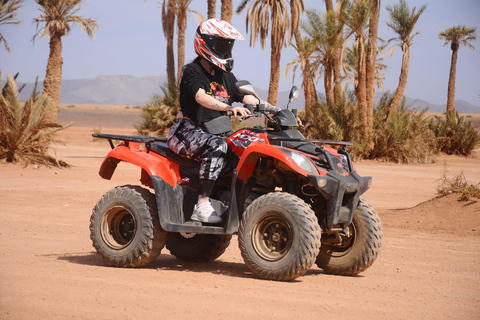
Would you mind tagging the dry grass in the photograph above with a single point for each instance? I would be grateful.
(25, 135)
(457, 184)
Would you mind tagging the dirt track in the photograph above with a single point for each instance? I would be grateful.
(428, 268)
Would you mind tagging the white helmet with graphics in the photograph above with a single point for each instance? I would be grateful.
(214, 41)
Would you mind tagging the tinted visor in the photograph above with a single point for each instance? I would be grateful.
(220, 46)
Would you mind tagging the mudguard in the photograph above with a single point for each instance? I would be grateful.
(151, 163)
(258, 149)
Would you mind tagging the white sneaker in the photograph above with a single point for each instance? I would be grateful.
(205, 213)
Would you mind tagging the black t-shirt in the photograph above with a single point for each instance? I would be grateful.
(219, 86)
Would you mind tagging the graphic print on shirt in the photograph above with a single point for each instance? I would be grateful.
(218, 92)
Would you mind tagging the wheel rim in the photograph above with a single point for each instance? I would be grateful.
(272, 238)
(118, 227)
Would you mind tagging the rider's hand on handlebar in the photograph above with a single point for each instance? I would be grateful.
(241, 111)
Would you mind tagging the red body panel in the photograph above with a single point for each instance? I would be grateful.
(249, 146)
(152, 163)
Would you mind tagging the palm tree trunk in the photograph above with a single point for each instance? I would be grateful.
(402, 80)
(328, 75)
(306, 92)
(361, 87)
(170, 42)
(451, 83)
(335, 63)
(182, 26)
(329, 5)
(211, 11)
(274, 71)
(337, 67)
(313, 91)
(53, 78)
(308, 84)
(227, 10)
(371, 61)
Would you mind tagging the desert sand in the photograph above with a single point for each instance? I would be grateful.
(429, 267)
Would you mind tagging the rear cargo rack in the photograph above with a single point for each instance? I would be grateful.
(127, 139)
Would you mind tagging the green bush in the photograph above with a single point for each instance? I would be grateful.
(455, 135)
(25, 135)
(404, 137)
(157, 118)
(339, 123)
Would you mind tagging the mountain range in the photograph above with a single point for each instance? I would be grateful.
(130, 90)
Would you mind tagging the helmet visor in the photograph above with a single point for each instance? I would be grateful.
(220, 46)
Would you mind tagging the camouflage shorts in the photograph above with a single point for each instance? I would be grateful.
(189, 140)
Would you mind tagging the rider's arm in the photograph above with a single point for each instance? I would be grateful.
(211, 103)
(249, 99)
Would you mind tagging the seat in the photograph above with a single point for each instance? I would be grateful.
(163, 150)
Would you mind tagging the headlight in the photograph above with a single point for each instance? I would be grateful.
(302, 161)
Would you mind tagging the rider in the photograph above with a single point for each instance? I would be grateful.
(206, 94)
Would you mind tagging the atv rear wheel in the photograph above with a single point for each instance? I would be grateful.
(279, 236)
(124, 227)
(193, 247)
(359, 249)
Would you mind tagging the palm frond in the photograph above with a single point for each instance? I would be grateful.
(26, 135)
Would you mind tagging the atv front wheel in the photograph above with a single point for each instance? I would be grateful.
(359, 249)
(279, 236)
(124, 227)
(193, 247)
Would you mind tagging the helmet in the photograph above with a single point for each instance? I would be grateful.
(214, 41)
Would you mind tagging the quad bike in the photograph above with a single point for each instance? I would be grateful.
(292, 201)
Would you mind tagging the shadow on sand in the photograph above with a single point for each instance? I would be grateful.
(166, 262)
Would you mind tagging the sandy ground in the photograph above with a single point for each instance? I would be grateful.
(429, 267)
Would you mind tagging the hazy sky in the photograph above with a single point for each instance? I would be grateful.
(130, 41)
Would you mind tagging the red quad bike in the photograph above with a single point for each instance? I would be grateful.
(292, 201)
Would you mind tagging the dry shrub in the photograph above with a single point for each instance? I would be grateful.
(25, 134)
(456, 184)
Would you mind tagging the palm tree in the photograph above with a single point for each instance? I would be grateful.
(305, 53)
(370, 61)
(305, 49)
(261, 16)
(227, 10)
(402, 21)
(8, 12)
(58, 16)
(323, 31)
(339, 12)
(358, 15)
(350, 69)
(26, 133)
(456, 36)
(182, 9)
(211, 9)
(168, 25)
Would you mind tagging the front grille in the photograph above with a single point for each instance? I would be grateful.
(341, 166)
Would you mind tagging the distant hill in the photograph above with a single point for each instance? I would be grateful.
(460, 105)
(130, 90)
(119, 89)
